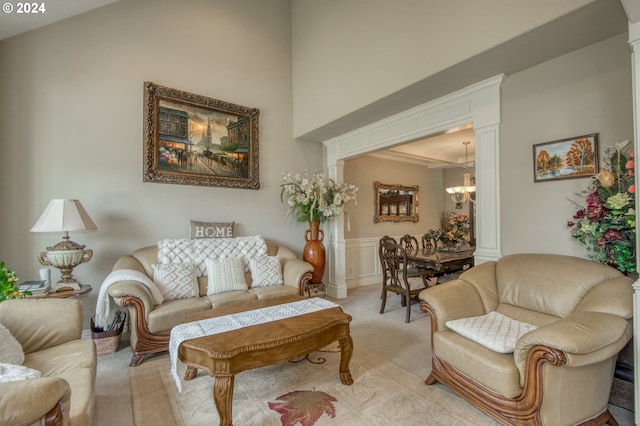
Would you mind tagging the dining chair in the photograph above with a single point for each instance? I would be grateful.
(398, 276)
(430, 239)
(383, 265)
(409, 242)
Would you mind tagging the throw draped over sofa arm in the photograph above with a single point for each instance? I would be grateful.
(561, 372)
(151, 324)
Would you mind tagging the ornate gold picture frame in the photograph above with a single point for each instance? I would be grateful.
(194, 140)
(396, 203)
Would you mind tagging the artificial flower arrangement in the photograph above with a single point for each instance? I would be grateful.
(313, 196)
(9, 286)
(606, 222)
(455, 228)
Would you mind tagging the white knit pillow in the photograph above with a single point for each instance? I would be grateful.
(225, 274)
(176, 280)
(10, 349)
(494, 330)
(265, 271)
(12, 372)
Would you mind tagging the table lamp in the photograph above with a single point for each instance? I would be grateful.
(64, 216)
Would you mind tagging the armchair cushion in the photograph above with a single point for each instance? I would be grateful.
(265, 271)
(494, 330)
(10, 349)
(176, 280)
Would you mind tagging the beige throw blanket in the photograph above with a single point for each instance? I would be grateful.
(105, 305)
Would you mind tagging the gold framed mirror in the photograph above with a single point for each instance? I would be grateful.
(396, 203)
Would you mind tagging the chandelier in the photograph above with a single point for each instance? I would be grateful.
(464, 193)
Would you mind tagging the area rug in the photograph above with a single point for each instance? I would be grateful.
(306, 392)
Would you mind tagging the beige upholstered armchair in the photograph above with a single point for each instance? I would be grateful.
(49, 331)
(573, 317)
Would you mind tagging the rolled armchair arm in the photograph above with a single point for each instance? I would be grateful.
(42, 323)
(26, 401)
(296, 273)
(124, 289)
(453, 300)
(584, 338)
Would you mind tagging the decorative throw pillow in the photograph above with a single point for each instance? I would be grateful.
(12, 373)
(494, 330)
(265, 271)
(225, 274)
(176, 280)
(10, 349)
(211, 229)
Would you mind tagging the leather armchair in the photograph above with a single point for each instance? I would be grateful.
(560, 373)
(49, 331)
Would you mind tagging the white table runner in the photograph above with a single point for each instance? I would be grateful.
(207, 327)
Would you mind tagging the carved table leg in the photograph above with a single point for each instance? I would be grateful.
(222, 397)
(346, 350)
(191, 372)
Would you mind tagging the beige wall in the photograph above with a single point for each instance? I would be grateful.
(350, 53)
(365, 170)
(587, 91)
(71, 124)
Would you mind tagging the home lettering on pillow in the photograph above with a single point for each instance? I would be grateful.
(211, 229)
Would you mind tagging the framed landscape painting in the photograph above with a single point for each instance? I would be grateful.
(576, 157)
(194, 140)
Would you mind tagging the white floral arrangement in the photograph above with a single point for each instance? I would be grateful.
(313, 196)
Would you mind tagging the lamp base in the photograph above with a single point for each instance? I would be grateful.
(65, 256)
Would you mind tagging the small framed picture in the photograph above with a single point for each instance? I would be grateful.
(571, 158)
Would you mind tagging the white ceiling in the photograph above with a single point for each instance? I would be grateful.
(438, 151)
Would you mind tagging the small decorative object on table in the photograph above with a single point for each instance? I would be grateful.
(455, 231)
(606, 222)
(317, 199)
(35, 287)
(9, 288)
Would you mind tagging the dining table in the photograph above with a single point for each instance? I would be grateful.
(441, 261)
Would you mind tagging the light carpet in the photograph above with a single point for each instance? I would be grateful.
(382, 394)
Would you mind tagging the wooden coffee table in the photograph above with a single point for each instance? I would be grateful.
(225, 354)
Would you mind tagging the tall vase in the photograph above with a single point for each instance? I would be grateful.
(314, 250)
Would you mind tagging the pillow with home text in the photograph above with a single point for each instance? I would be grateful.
(211, 229)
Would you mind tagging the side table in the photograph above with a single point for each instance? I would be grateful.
(63, 294)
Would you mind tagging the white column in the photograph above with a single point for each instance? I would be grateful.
(634, 42)
(336, 279)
